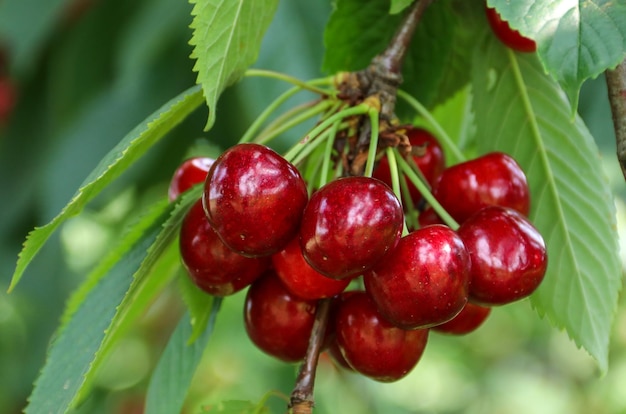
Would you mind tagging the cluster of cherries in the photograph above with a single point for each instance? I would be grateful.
(256, 225)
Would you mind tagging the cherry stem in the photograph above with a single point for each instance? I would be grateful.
(426, 193)
(327, 153)
(371, 154)
(302, 395)
(277, 128)
(308, 85)
(616, 85)
(395, 181)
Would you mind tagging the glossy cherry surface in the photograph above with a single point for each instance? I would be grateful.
(191, 172)
(492, 179)
(468, 320)
(424, 281)
(276, 321)
(349, 225)
(371, 345)
(510, 37)
(300, 278)
(209, 262)
(254, 199)
(427, 154)
(508, 256)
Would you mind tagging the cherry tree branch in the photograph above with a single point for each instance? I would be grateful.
(616, 84)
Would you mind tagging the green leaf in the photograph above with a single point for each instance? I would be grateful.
(226, 38)
(435, 66)
(520, 110)
(237, 407)
(171, 379)
(132, 147)
(576, 39)
(196, 300)
(73, 350)
(398, 5)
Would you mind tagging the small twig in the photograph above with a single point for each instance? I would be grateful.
(616, 84)
(302, 400)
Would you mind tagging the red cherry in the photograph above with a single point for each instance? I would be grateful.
(8, 96)
(510, 37)
(276, 321)
(300, 278)
(254, 199)
(470, 318)
(493, 179)
(349, 225)
(424, 281)
(209, 262)
(191, 172)
(508, 256)
(371, 345)
(427, 154)
(429, 216)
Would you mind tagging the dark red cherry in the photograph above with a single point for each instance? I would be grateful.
(510, 37)
(349, 225)
(492, 179)
(468, 320)
(210, 264)
(300, 278)
(191, 172)
(254, 199)
(371, 345)
(424, 281)
(278, 322)
(427, 154)
(429, 216)
(508, 256)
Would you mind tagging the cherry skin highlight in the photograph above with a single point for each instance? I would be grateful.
(210, 264)
(470, 318)
(349, 225)
(276, 321)
(508, 256)
(424, 281)
(254, 199)
(510, 37)
(428, 156)
(371, 345)
(191, 172)
(300, 278)
(492, 179)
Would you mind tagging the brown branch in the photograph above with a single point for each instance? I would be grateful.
(616, 84)
(302, 400)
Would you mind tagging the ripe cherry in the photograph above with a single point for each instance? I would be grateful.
(276, 321)
(191, 172)
(510, 37)
(508, 256)
(211, 265)
(468, 320)
(492, 179)
(427, 154)
(371, 345)
(254, 199)
(300, 278)
(429, 216)
(424, 281)
(349, 225)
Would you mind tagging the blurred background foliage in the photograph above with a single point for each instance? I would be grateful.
(86, 72)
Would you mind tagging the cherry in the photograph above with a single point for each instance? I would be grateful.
(349, 225)
(429, 216)
(492, 179)
(427, 154)
(254, 199)
(424, 281)
(211, 265)
(7, 99)
(191, 172)
(508, 256)
(300, 278)
(510, 37)
(468, 320)
(278, 322)
(371, 345)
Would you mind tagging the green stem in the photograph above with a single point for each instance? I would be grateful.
(425, 191)
(327, 153)
(441, 133)
(395, 181)
(373, 145)
(308, 85)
